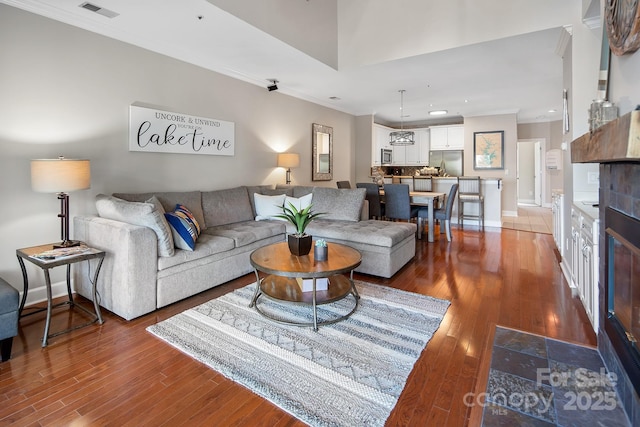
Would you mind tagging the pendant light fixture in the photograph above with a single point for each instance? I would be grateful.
(402, 137)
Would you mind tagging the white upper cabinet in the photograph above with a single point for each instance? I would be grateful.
(403, 155)
(416, 153)
(447, 137)
(399, 155)
(425, 146)
(380, 141)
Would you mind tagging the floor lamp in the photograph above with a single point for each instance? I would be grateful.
(288, 160)
(61, 176)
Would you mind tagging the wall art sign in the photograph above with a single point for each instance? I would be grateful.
(161, 131)
(488, 150)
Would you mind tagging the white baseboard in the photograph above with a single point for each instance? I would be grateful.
(527, 201)
(509, 213)
(566, 272)
(39, 294)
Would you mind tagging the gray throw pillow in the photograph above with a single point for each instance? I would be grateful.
(139, 213)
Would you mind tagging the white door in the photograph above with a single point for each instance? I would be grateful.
(537, 155)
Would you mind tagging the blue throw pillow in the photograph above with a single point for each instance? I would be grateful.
(184, 227)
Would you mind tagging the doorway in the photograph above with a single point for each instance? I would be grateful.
(529, 174)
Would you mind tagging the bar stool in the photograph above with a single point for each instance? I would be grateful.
(422, 184)
(469, 192)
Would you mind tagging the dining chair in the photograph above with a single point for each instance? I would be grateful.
(343, 184)
(376, 208)
(469, 192)
(442, 215)
(397, 203)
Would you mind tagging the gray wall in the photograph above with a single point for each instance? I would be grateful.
(506, 123)
(66, 91)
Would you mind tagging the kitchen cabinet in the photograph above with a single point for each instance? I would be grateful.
(447, 137)
(399, 155)
(425, 146)
(403, 155)
(413, 155)
(557, 202)
(584, 257)
(380, 141)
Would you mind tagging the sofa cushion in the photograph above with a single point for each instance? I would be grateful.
(207, 245)
(370, 232)
(184, 227)
(260, 189)
(296, 190)
(339, 204)
(268, 206)
(191, 199)
(245, 233)
(278, 191)
(226, 206)
(138, 213)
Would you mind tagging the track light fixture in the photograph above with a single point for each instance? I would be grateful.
(273, 86)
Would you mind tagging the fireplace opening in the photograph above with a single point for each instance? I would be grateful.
(622, 290)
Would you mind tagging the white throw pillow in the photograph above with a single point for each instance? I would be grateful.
(138, 213)
(268, 206)
(300, 203)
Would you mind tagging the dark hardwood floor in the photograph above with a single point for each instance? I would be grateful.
(118, 374)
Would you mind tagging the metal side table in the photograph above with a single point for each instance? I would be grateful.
(46, 263)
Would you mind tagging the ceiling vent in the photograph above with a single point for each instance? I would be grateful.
(99, 10)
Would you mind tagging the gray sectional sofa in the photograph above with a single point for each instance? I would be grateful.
(141, 273)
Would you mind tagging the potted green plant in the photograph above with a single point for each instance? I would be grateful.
(299, 242)
(320, 250)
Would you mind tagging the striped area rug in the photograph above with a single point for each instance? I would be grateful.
(350, 373)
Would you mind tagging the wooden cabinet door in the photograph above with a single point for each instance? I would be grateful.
(447, 137)
(425, 147)
(399, 155)
(455, 136)
(380, 141)
(439, 138)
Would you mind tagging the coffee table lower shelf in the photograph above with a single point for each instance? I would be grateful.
(286, 290)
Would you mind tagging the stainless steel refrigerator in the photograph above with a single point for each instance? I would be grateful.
(451, 160)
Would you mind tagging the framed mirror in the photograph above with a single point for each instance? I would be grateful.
(322, 158)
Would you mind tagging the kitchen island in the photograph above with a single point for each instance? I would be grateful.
(491, 190)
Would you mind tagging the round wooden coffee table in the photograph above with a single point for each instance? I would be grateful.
(283, 269)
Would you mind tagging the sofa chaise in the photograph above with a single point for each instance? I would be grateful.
(146, 269)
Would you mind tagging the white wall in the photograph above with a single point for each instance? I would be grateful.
(66, 91)
(507, 123)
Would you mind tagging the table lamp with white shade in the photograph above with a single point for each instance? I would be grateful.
(288, 160)
(61, 176)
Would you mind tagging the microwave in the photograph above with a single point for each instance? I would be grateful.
(386, 156)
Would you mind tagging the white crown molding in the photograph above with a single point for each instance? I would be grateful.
(563, 40)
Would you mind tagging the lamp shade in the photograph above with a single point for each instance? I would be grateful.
(60, 175)
(288, 160)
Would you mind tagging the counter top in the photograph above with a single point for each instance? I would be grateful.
(587, 208)
(434, 177)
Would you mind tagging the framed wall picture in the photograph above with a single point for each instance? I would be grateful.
(488, 150)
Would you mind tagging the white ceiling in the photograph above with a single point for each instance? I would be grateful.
(521, 74)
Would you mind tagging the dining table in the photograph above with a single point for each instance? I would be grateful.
(428, 199)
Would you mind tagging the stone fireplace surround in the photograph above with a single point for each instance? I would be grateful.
(616, 147)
